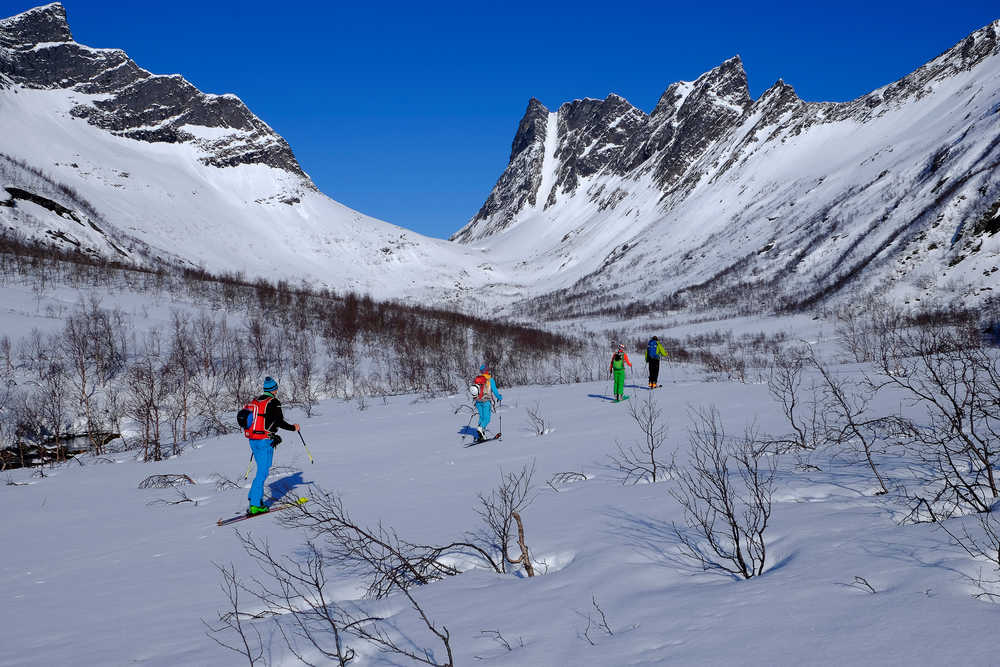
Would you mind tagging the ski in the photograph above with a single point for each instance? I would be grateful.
(479, 442)
(276, 508)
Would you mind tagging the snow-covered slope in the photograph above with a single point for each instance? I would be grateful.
(142, 168)
(723, 198)
(99, 572)
(712, 199)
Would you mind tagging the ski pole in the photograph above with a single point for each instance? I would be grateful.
(304, 445)
(247, 476)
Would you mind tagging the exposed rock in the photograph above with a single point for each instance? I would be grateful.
(611, 136)
(878, 175)
(37, 51)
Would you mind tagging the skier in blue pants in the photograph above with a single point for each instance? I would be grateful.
(267, 418)
(487, 390)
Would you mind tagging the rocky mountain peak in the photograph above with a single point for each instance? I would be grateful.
(611, 137)
(780, 95)
(531, 129)
(37, 51)
(36, 26)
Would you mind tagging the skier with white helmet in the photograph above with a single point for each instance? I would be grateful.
(485, 392)
(617, 369)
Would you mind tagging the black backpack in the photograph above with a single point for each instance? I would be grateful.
(243, 418)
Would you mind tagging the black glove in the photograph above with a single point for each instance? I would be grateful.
(275, 440)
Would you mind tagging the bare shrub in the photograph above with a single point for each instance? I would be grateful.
(247, 641)
(565, 479)
(376, 553)
(223, 483)
(164, 481)
(947, 373)
(849, 422)
(180, 498)
(983, 544)
(298, 588)
(513, 494)
(601, 621)
(862, 329)
(644, 461)
(726, 511)
(525, 558)
(804, 414)
(499, 638)
(537, 419)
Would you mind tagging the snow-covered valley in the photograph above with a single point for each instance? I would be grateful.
(97, 571)
(751, 236)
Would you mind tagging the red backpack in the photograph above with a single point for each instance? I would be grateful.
(251, 418)
(482, 382)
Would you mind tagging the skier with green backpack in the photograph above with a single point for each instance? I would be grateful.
(617, 369)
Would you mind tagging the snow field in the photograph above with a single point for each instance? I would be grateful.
(97, 572)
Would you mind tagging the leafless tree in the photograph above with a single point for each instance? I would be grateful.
(525, 557)
(6, 358)
(247, 641)
(512, 495)
(726, 511)
(304, 366)
(180, 497)
(863, 328)
(565, 478)
(145, 390)
(298, 588)
(848, 419)
(804, 414)
(537, 420)
(223, 483)
(601, 621)
(53, 406)
(181, 362)
(947, 373)
(165, 481)
(644, 461)
(78, 344)
(375, 553)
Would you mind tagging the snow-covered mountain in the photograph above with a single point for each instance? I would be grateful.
(100, 155)
(722, 198)
(712, 199)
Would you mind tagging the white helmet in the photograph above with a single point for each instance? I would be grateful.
(474, 390)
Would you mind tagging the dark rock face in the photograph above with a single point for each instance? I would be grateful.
(712, 116)
(36, 26)
(592, 134)
(612, 137)
(518, 186)
(37, 51)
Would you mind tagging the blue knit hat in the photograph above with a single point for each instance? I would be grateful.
(482, 369)
(270, 384)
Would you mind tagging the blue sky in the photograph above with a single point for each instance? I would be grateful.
(406, 111)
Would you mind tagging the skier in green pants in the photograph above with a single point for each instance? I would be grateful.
(617, 369)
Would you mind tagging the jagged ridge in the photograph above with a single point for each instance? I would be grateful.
(791, 196)
(37, 51)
